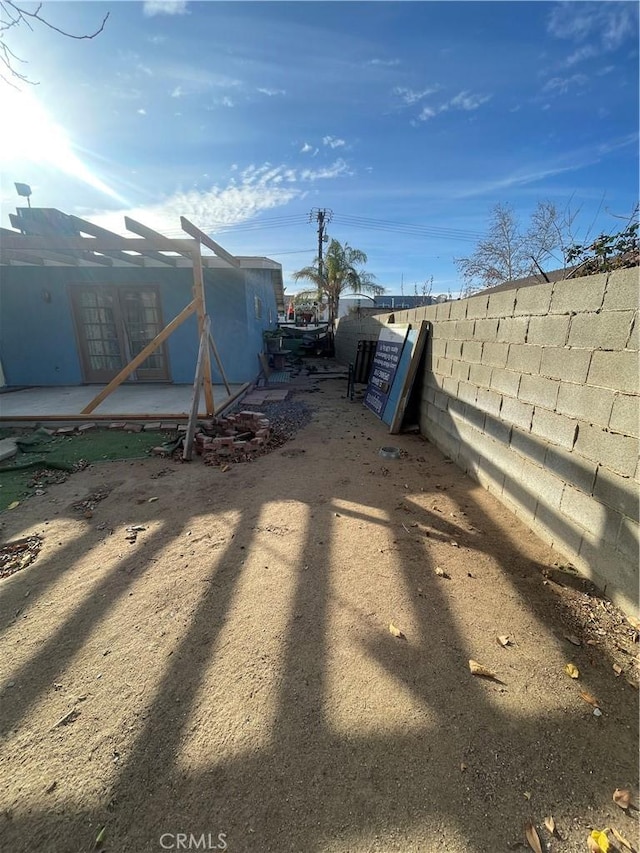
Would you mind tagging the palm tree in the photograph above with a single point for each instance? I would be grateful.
(341, 271)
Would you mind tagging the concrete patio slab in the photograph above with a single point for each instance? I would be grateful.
(142, 399)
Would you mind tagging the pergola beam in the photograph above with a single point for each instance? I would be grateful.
(13, 240)
(203, 238)
(159, 241)
(97, 231)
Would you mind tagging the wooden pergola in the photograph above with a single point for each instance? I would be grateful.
(94, 246)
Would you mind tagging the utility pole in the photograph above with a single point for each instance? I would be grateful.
(322, 216)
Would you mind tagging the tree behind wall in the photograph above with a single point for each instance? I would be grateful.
(509, 252)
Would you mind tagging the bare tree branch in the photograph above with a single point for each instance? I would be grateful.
(14, 15)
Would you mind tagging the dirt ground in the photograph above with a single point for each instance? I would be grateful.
(231, 675)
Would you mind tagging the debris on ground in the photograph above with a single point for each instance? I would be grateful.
(18, 554)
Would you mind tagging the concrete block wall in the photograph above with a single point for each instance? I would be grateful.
(534, 392)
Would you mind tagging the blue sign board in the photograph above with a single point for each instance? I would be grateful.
(384, 367)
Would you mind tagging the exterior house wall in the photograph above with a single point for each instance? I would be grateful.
(38, 344)
(534, 392)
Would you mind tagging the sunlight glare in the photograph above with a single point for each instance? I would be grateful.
(31, 135)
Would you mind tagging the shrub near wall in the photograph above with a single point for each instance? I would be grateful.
(534, 392)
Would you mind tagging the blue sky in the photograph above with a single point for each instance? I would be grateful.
(408, 120)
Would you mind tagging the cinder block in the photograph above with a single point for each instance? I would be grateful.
(447, 330)
(571, 467)
(458, 309)
(519, 498)
(534, 299)
(623, 290)
(539, 390)
(437, 348)
(617, 370)
(477, 305)
(486, 330)
(524, 358)
(512, 329)
(441, 401)
(572, 365)
(489, 401)
(528, 445)
(444, 366)
(467, 392)
(549, 331)
(454, 349)
(515, 412)
(593, 516)
(611, 571)
(625, 415)
(472, 351)
(557, 530)
(460, 370)
(506, 381)
(543, 484)
(475, 416)
(443, 310)
(480, 374)
(501, 304)
(579, 294)
(617, 492)
(497, 429)
(629, 538)
(607, 330)
(464, 329)
(151, 426)
(557, 429)
(450, 385)
(495, 355)
(489, 476)
(619, 453)
(592, 405)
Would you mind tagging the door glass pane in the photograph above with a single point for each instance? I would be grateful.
(98, 321)
(141, 315)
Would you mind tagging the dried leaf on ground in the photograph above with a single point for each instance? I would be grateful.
(622, 797)
(442, 574)
(572, 670)
(13, 504)
(589, 698)
(533, 839)
(477, 669)
(573, 639)
(550, 824)
(396, 632)
(622, 840)
(597, 842)
(617, 669)
(504, 640)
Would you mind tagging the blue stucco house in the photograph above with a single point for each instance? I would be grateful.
(73, 318)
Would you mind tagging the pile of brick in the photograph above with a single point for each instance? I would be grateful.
(234, 438)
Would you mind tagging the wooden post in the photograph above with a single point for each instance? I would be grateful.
(203, 352)
(159, 339)
(199, 299)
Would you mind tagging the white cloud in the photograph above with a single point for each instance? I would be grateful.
(386, 63)
(271, 92)
(164, 7)
(412, 96)
(226, 101)
(609, 24)
(178, 92)
(141, 111)
(561, 85)
(251, 191)
(333, 141)
(467, 101)
(306, 148)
